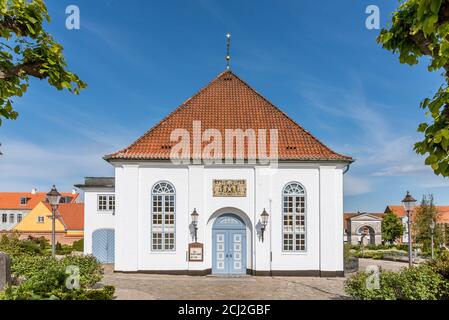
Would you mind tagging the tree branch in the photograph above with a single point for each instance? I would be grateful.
(12, 24)
(424, 44)
(31, 68)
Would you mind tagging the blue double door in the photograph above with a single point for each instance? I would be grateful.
(229, 246)
(103, 245)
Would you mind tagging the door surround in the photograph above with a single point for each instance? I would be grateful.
(229, 247)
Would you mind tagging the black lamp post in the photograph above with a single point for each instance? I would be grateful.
(409, 204)
(264, 218)
(432, 228)
(53, 198)
(195, 216)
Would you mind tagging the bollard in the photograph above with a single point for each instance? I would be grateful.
(5, 271)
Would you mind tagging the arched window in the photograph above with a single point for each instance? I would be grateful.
(163, 217)
(294, 218)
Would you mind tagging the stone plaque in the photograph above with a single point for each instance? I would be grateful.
(5, 271)
(196, 253)
(229, 188)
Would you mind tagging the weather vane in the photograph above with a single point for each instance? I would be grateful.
(228, 49)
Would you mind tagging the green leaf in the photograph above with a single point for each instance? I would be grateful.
(431, 159)
(422, 127)
(435, 6)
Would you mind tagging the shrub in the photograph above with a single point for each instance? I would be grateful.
(441, 265)
(13, 246)
(39, 276)
(78, 245)
(63, 249)
(416, 283)
(91, 270)
(379, 254)
(356, 287)
(22, 293)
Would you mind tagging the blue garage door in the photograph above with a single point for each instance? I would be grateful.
(103, 245)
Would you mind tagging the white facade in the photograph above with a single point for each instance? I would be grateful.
(95, 219)
(9, 218)
(322, 182)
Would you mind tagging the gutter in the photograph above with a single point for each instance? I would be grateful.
(347, 168)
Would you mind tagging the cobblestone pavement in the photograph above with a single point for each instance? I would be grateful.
(385, 265)
(154, 287)
(146, 286)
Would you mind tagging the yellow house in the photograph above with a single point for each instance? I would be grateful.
(69, 224)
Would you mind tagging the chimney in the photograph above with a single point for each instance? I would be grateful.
(34, 191)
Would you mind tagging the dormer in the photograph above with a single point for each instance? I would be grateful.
(23, 201)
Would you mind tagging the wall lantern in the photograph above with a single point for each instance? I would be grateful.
(409, 204)
(264, 218)
(53, 198)
(195, 216)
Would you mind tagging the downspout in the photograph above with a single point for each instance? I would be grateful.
(319, 220)
(348, 236)
(271, 250)
(254, 232)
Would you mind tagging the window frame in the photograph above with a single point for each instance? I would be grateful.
(4, 218)
(108, 208)
(17, 217)
(12, 218)
(39, 221)
(162, 231)
(294, 215)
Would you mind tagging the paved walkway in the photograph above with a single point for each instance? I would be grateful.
(383, 264)
(168, 287)
(146, 286)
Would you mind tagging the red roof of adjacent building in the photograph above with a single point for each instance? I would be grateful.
(229, 103)
(11, 200)
(72, 215)
(399, 211)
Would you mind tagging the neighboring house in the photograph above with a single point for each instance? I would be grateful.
(14, 206)
(363, 226)
(152, 227)
(399, 211)
(99, 224)
(69, 225)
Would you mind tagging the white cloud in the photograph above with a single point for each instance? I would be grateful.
(356, 185)
(25, 165)
(381, 145)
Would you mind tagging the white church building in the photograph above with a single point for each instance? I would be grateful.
(194, 196)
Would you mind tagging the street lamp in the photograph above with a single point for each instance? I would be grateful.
(264, 218)
(409, 204)
(195, 216)
(53, 198)
(432, 228)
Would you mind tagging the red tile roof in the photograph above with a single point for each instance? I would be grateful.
(71, 215)
(229, 103)
(11, 200)
(399, 211)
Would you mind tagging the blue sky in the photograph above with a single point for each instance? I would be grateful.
(141, 59)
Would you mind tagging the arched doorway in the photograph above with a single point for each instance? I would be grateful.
(103, 245)
(229, 245)
(367, 235)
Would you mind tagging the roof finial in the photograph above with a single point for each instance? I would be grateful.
(228, 49)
